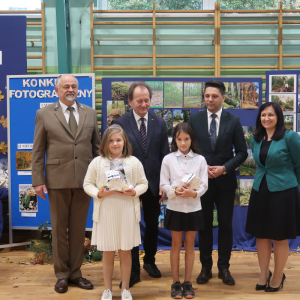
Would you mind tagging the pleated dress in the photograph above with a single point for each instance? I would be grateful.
(273, 215)
(117, 228)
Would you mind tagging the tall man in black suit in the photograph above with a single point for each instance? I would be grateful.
(149, 139)
(217, 132)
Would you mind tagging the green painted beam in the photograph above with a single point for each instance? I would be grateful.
(63, 29)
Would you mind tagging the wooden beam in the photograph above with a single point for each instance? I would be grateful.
(154, 41)
(248, 22)
(123, 68)
(247, 55)
(123, 56)
(249, 67)
(122, 23)
(280, 37)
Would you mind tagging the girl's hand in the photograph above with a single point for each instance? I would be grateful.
(188, 192)
(178, 191)
(130, 192)
(104, 192)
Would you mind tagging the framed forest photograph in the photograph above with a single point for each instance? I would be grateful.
(248, 133)
(283, 83)
(249, 95)
(119, 90)
(248, 167)
(192, 94)
(23, 160)
(115, 109)
(232, 98)
(157, 99)
(27, 198)
(166, 114)
(173, 94)
(245, 191)
(289, 121)
(287, 102)
(180, 115)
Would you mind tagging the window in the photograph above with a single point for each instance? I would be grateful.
(259, 4)
(20, 5)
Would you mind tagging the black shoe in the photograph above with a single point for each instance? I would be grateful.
(152, 270)
(260, 287)
(176, 291)
(204, 276)
(134, 278)
(271, 289)
(188, 292)
(224, 274)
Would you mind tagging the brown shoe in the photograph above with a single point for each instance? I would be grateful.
(61, 285)
(226, 277)
(82, 283)
(204, 276)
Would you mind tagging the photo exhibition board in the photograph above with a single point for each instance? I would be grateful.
(283, 87)
(27, 94)
(175, 99)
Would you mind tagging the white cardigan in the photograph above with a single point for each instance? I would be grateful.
(96, 178)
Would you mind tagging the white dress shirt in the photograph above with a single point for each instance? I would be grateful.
(174, 166)
(139, 121)
(218, 118)
(66, 112)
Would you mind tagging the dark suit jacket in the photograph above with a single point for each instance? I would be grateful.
(230, 134)
(157, 145)
(67, 157)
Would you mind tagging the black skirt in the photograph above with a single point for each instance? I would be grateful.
(274, 215)
(179, 221)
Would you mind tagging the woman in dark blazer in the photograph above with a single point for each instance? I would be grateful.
(274, 207)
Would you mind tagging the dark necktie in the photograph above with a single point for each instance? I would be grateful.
(143, 133)
(72, 121)
(213, 131)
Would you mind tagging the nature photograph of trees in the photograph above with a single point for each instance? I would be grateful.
(23, 160)
(289, 122)
(173, 94)
(286, 101)
(248, 167)
(249, 95)
(245, 191)
(119, 90)
(248, 133)
(180, 115)
(237, 194)
(157, 87)
(115, 109)
(27, 198)
(166, 114)
(283, 83)
(192, 94)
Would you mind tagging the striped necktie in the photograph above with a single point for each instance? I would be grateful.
(143, 133)
(213, 131)
(72, 121)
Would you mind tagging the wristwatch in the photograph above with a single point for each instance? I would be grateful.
(224, 170)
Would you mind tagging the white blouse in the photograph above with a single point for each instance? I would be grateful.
(173, 168)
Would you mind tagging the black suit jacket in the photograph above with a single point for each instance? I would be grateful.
(157, 145)
(230, 135)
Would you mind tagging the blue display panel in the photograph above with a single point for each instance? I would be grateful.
(27, 95)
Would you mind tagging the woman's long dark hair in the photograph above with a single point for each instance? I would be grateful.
(260, 131)
(184, 127)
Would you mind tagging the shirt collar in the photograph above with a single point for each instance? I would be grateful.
(137, 117)
(217, 113)
(179, 153)
(64, 107)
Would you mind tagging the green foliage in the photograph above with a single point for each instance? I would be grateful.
(215, 218)
(159, 4)
(42, 251)
(119, 91)
(258, 4)
(156, 85)
(46, 232)
(25, 201)
(186, 115)
(173, 94)
(97, 256)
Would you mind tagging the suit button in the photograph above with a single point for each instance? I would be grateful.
(75, 157)
(75, 144)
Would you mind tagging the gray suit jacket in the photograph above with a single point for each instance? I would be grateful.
(67, 157)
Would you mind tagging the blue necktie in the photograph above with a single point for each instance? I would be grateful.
(213, 131)
(143, 133)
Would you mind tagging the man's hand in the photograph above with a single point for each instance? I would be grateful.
(41, 190)
(210, 172)
(186, 192)
(217, 171)
(162, 194)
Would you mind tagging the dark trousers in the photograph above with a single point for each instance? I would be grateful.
(151, 209)
(224, 200)
(68, 209)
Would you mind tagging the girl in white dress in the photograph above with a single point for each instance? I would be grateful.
(116, 215)
(183, 206)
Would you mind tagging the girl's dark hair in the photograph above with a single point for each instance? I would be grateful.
(260, 131)
(184, 127)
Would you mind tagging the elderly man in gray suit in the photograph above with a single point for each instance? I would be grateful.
(67, 132)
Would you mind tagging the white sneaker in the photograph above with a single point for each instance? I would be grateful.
(126, 295)
(107, 295)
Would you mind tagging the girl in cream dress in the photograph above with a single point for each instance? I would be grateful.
(116, 215)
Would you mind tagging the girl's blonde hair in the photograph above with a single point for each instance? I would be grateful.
(104, 150)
